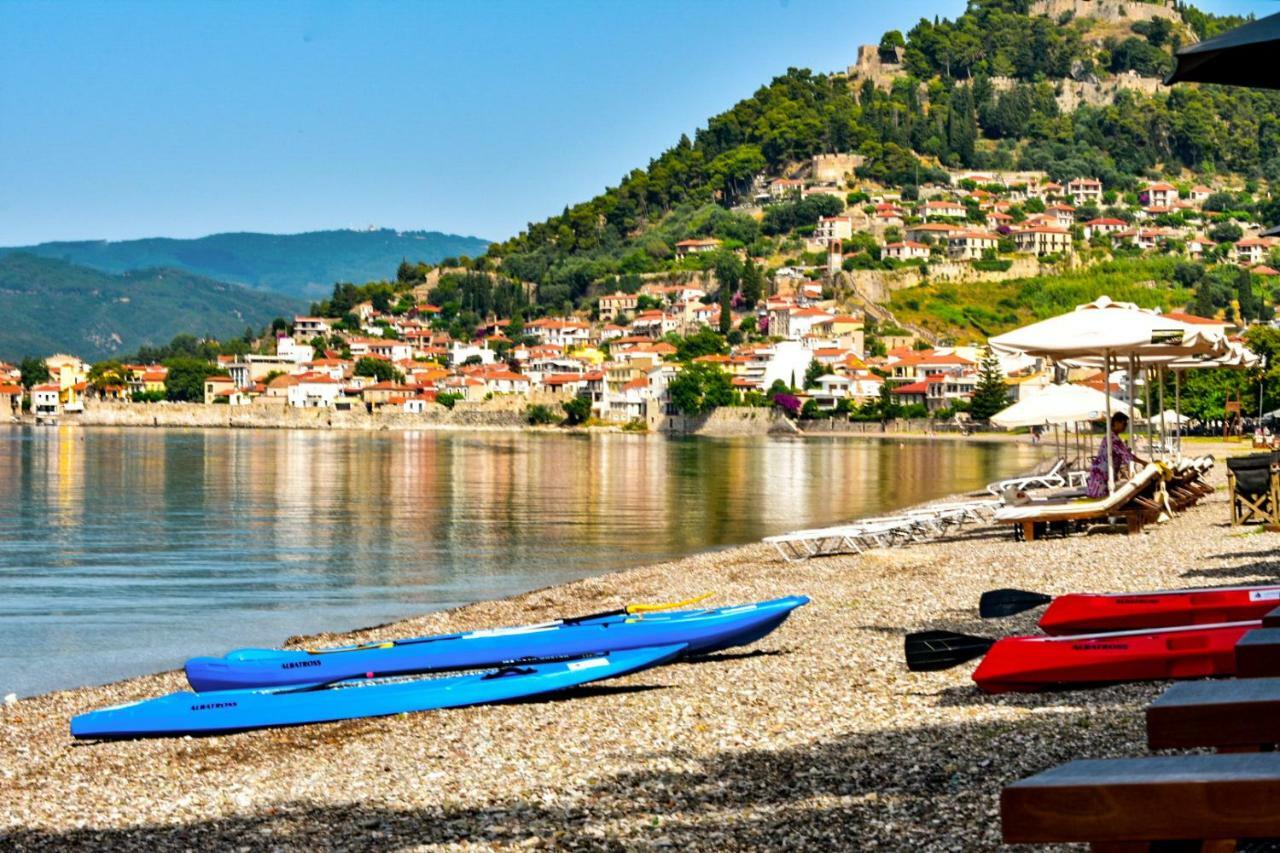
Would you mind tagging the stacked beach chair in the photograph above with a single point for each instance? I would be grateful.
(917, 525)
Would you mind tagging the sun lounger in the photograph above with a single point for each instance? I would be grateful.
(912, 526)
(1131, 500)
(1055, 476)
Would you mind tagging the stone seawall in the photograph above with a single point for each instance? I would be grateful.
(462, 416)
(735, 421)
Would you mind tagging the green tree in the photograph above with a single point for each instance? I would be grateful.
(379, 369)
(33, 370)
(699, 388)
(815, 370)
(185, 381)
(752, 284)
(991, 394)
(540, 415)
(576, 411)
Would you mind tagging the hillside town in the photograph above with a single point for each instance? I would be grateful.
(827, 350)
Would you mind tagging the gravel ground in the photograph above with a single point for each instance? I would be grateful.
(817, 737)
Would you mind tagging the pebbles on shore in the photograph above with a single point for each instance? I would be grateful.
(815, 737)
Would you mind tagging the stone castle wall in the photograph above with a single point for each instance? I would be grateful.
(1110, 11)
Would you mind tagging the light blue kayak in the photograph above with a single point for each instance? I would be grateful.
(227, 711)
(700, 631)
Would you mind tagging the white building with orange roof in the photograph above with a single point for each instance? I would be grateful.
(1199, 194)
(696, 246)
(906, 250)
(1083, 191)
(970, 245)
(833, 228)
(929, 232)
(1251, 250)
(559, 332)
(10, 399)
(613, 304)
(1042, 240)
(1159, 194)
(306, 328)
(1062, 215)
(1103, 225)
(945, 209)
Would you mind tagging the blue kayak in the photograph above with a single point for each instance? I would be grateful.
(240, 710)
(701, 631)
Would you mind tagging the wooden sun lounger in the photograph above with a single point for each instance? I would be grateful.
(914, 526)
(1130, 501)
(1204, 801)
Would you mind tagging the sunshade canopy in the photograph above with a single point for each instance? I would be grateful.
(1245, 56)
(1118, 329)
(1057, 404)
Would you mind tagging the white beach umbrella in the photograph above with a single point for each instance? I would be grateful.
(1057, 404)
(1105, 329)
(1104, 333)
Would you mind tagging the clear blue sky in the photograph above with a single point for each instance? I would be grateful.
(132, 119)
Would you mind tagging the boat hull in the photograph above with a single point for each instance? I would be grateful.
(700, 631)
(229, 711)
(1089, 613)
(1027, 664)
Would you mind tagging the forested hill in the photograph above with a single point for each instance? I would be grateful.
(297, 265)
(978, 92)
(52, 306)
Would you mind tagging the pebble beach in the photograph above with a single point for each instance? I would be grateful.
(816, 737)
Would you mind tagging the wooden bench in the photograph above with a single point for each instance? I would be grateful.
(1240, 715)
(1127, 804)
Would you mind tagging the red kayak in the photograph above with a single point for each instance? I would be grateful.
(1038, 663)
(1080, 613)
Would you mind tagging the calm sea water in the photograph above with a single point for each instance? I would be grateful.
(125, 551)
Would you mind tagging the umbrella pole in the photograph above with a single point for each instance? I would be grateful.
(1133, 377)
(1106, 427)
(1164, 428)
(1177, 407)
(1146, 407)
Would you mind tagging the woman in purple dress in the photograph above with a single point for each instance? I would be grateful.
(1121, 456)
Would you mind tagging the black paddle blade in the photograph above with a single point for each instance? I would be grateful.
(574, 620)
(929, 651)
(1009, 602)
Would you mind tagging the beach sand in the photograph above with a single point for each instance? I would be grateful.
(815, 737)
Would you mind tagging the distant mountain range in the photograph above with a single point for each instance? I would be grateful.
(304, 266)
(52, 306)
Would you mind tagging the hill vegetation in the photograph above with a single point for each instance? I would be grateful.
(303, 266)
(978, 92)
(54, 306)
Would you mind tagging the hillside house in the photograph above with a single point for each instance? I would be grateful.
(833, 228)
(929, 232)
(969, 245)
(1103, 226)
(613, 304)
(1159, 195)
(906, 251)
(696, 247)
(1251, 251)
(781, 188)
(306, 328)
(1083, 191)
(1199, 194)
(942, 209)
(1043, 240)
